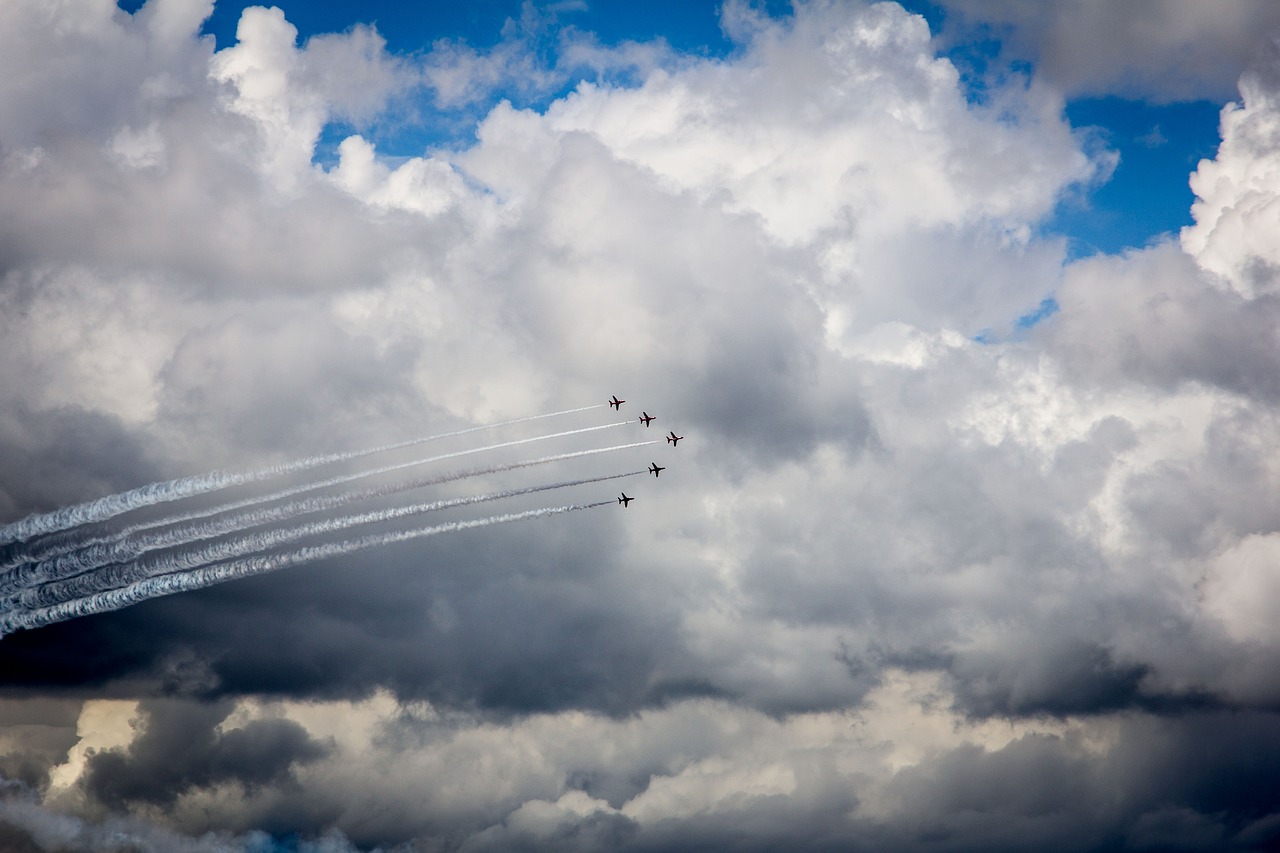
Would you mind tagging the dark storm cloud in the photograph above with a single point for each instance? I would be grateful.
(179, 749)
(37, 733)
(1036, 792)
(1199, 782)
(535, 628)
(63, 455)
(1050, 673)
(25, 826)
(1044, 792)
(17, 840)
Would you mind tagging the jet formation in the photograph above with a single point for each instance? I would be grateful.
(645, 418)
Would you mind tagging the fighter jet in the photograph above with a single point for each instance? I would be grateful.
(615, 402)
(673, 439)
(654, 468)
(645, 417)
(624, 500)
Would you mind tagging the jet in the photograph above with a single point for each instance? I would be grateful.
(645, 417)
(624, 500)
(654, 468)
(616, 403)
(673, 439)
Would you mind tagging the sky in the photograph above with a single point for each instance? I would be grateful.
(964, 308)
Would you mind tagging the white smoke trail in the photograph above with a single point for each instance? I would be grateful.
(121, 547)
(355, 475)
(113, 505)
(114, 576)
(246, 567)
(75, 542)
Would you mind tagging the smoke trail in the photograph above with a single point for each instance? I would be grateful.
(113, 505)
(347, 478)
(111, 577)
(76, 542)
(122, 547)
(246, 567)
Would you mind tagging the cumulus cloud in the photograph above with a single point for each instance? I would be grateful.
(917, 578)
(177, 751)
(1236, 191)
(903, 771)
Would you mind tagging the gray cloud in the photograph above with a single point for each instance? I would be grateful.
(1154, 318)
(53, 456)
(37, 733)
(1158, 49)
(1200, 781)
(179, 748)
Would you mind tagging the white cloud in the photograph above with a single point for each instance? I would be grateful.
(289, 93)
(422, 185)
(846, 135)
(1237, 208)
(259, 67)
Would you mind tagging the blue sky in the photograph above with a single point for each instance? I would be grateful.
(1146, 198)
(689, 26)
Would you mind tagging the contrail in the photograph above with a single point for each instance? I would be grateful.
(356, 475)
(123, 547)
(77, 542)
(113, 505)
(234, 569)
(114, 576)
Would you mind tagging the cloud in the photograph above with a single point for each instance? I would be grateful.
(34, 736)
(153, 56)
(903, 772)
(178, 748)
(1193, 330)
(1158, 49)
(25, 826)
(1237, 190)
(917, 578)
(540, 53)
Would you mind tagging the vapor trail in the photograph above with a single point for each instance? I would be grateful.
(114, 576)
(246, 567)
(113, 505)
(123, 547)
(76, 542)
